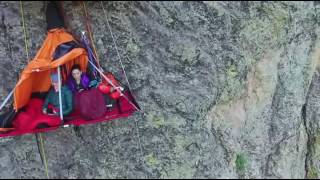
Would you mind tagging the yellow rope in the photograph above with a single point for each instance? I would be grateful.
(26, 48)
(24, 31)
(89, 31)
(44, 156)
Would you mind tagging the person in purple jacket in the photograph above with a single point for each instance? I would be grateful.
(78, 81)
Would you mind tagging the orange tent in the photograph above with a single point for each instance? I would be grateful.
(36, 75)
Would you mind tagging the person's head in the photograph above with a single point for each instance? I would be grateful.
(55, 81)
(76, 72)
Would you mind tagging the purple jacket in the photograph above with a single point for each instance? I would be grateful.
(84, 81)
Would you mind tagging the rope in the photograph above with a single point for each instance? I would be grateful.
(90, 34)
(24, 31)
(44, 155)
(115, 44)
(26, 49)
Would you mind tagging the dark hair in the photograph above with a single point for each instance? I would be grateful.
(76, 66)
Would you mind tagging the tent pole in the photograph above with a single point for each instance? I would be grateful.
(60, 98)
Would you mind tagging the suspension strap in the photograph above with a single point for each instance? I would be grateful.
(41, 147)
(24, 31)
(42, 153)
(115, 44)
(26, 50)
(84, 8)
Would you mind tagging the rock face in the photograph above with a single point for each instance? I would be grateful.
(228, 90)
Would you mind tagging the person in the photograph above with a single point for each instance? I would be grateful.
(51, 103)
(77, 80)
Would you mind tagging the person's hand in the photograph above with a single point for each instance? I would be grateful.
(55, 112)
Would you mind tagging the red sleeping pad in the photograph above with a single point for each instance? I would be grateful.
(32, 117)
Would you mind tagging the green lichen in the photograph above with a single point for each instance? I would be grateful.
(234, 87)
(155, 120)
(151, 160)
(232, 93)
(278, 19)
(315, 147)
(132, 47)
(158, 122)
(232, 71)
(241, 163)
(313, 173)
(266, 31)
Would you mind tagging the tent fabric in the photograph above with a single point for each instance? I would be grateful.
(33, 116)
(36, 75)
(28, 120)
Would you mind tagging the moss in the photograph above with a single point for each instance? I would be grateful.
(132, 47)
(317, 140)
(151, 160)
(231, 91)
(155, 120)
(278, 19)
(315, 147)
(278, 25)
(267, 31)
(158, 121)
(241, 162)
(232, 71)
(313, 173)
